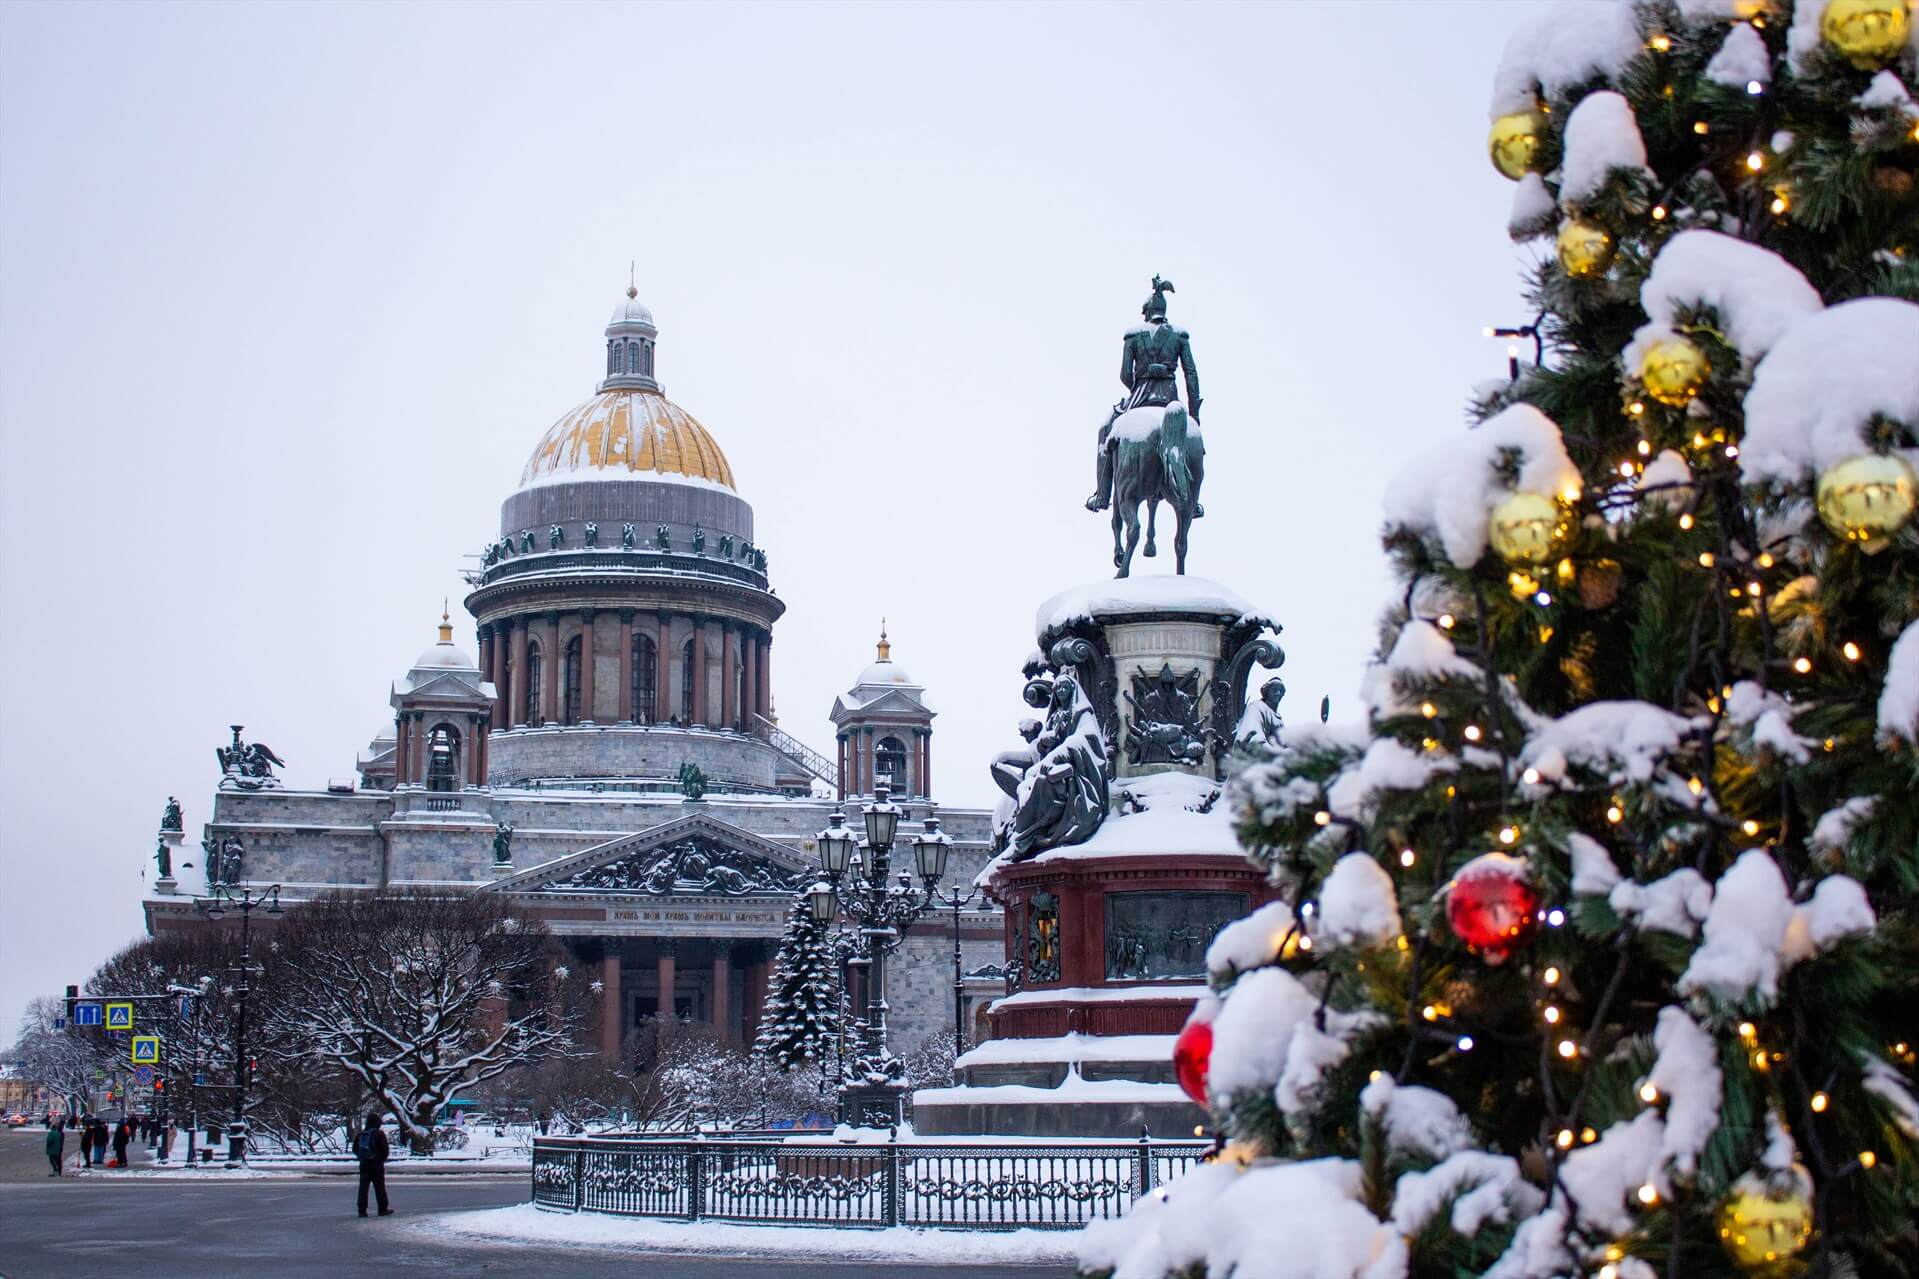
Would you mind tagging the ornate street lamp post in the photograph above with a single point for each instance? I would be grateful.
(956, 900)
(873, 1084)
(225, 898)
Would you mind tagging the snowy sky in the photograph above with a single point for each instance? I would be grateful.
(288, 293)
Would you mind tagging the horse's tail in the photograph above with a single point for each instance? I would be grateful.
(1172, 454)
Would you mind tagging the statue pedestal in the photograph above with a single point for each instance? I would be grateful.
(1108, 936)
(166, 887)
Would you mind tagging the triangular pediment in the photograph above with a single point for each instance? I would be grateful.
(891, 702)
(447, 686)
(692, 856)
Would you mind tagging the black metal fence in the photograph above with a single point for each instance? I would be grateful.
(811, 1181)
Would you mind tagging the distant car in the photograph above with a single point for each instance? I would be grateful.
(16, 1120)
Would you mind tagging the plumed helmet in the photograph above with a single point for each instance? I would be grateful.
(1155, 307)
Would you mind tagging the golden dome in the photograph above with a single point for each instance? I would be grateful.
(627, 433)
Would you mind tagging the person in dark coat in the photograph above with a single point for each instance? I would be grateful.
(83, 1129)
(56, 1146)
(99, 1132)
(122, 1138)
(372, 1149)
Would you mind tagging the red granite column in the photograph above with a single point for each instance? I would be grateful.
(926, 764)
(551, 668)
(473, 750)
(664, 966)
(486, 750)
(626, 666)
(765, 645)
(399, 749)
(699, 671)
(729, 679)
(516, 697)
(612, 1019)
(749, 658)
(663, 700)
(722, 991)
(586, 664)
(839, 740)
(494, 664)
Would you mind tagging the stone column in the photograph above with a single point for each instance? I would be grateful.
(699, 671)
(495, 668)
(729, 679)
(399, 750)
(486, 751)
(551, 667)
(749, 659)
(755, 977)
(586, 665)
(612, 1007)
(840, 740)
(663, 690)
(723, 990)
(486, 654)
(664, 966)
(472, 760)
(765, 645)
(626, 666)
(926, 763)
(516, 697)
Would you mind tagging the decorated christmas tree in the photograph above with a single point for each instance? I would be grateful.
(801, 1022)
(1600, 954)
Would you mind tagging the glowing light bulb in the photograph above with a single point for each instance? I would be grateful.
(1447, 621)
(1648, 1194)
(1754, 589)
(1755, 161)
(1322, 818)
(1819, 1103)
(1407, 857)
(1565, 1139)
(1551, 975)
(1645, 448)
(1750, 826)
(1803, 665)
(1568, 1049)
(1696, 786)
(1472, 733)
(1701, 127)
(1747, 1030)
(1636, 408)
(1625, 469)
(1685, 521)
(1615, 814)
(1530, 777)
(1428, 709)
(1555, 917)
(1851, 650)
(1867, 1159)
(1648, 1093)
(1305, 943)
(1588, 1135)
(1543, 599)
(1429, 1012)
(1661, 42)
(1705, 559)
(1765, 559)
(1778, 204)
(1465, 1043)
(1658, 213)
(1551, 1015)
(1755, 88)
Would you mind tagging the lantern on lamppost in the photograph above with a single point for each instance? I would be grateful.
(873, 1084)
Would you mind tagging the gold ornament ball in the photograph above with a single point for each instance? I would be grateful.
(1526, 528)
(1585, 248)
(1763, 1227)
(1866, 33)
(1514, 142)
(1673, 369)
(1868, 498)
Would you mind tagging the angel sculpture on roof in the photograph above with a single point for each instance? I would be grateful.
(247, 766)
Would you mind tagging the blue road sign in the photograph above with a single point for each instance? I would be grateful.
(199, 1079)
(89, 1015)
(145, 1075)
(59, 1023)
(146, 1050)
(186, 1007)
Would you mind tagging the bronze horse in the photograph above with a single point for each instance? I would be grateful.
(1164, 464)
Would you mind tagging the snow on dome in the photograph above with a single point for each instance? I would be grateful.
(1144, 595)
(1450, 490)
(1561, 48)
(1602, 138)
(1757, 294)
(631, 311)
(886, 671)
(628, 433)
(1827, 378)
(446, 655)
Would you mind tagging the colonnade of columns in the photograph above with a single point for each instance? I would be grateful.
(747, 965)
(857, 750)
(745, 658)
(413, 738)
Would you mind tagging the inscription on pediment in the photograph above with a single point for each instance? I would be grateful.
(688, 866)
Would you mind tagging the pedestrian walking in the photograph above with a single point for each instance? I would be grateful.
(56, 1146)
(99, 1141)
(122, 1138)
(371, 1148)
(83, 1129)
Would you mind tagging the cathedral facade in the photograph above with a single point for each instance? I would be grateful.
(607, 755)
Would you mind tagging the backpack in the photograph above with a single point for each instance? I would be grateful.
(363, 1144)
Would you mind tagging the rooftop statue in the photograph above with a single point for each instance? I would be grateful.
(1150, 449)
(248, 766)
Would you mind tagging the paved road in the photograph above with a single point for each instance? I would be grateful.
(103, 1227)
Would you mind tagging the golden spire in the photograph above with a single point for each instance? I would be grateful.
(446, 627)
(886, 649)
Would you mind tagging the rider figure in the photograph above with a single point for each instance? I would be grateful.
(1150, 358)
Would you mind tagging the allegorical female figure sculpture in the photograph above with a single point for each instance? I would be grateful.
(1061, 797)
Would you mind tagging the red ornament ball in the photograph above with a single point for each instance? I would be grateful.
(1491, 907)
(1193, 1059)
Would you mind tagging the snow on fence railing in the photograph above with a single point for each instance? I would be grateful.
(967, 1185)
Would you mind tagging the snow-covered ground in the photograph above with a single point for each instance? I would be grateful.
(525, 1223)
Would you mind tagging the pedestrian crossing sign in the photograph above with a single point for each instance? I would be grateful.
(146, 1050)
(120, 1015)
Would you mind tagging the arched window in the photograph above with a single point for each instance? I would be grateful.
(686, 682)
(570, 691)
(443, 759)
(612, 358)
(645, 673)
(632, 357)
(646, 358)
(532, 708)
(889, 764)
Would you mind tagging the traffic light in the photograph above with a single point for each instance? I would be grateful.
(159, 1085)
(73, 998)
